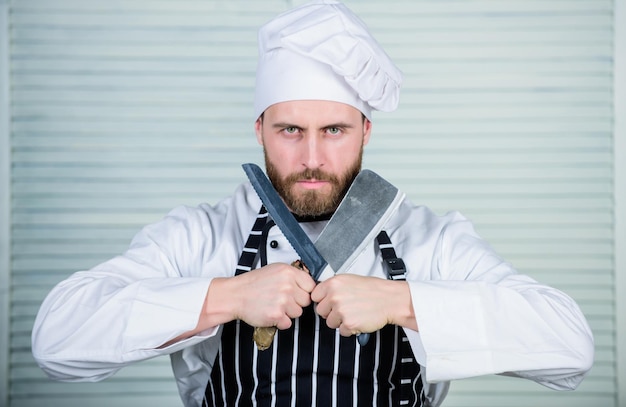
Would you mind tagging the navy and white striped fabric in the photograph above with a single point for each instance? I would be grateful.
(311, 364)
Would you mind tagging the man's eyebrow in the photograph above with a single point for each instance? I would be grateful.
(284, 125)
(340, 125)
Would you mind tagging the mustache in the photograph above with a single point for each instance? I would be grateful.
(309, 174)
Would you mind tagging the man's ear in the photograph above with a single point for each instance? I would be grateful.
(258, 129)
(367, 131)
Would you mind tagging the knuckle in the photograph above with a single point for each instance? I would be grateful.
(297, 313)
(274, 315)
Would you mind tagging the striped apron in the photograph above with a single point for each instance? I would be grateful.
(311, 364)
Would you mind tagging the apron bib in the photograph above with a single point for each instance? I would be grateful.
(311, 364)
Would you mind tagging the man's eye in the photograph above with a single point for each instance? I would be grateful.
(334, 130)
(291, 130)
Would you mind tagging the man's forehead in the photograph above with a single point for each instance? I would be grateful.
(312, 109)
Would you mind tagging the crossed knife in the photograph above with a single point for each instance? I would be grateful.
(361, 215)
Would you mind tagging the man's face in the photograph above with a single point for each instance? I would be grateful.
(313, 152)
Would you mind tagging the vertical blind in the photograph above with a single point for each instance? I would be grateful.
(122, 110)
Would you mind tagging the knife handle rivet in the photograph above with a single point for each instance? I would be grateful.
(273, 244)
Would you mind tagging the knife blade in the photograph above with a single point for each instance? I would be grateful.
(285, 220)
(368, 204)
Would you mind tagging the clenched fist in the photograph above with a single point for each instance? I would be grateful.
(270, 296)
(357, 304)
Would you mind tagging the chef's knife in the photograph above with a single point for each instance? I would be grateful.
(311, 257)
(368, 204)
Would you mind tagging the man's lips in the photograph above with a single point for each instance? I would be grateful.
(312, 183)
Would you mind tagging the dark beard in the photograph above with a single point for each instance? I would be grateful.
(313, 203)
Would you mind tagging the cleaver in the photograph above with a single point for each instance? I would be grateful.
(361, 215)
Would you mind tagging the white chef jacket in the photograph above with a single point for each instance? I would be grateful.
(476, 315)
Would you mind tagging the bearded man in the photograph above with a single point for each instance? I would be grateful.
(196, 284)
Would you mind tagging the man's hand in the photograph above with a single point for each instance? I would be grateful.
(357, 304)
(265, 297)
(270, 296)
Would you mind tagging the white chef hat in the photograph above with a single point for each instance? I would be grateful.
(323, 51)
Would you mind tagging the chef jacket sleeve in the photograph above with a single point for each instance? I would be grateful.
(98, 321)
(478, 316)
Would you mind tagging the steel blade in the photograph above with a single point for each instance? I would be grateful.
(367, 206)
(285, 220)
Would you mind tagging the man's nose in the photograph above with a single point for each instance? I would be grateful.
(313, 154)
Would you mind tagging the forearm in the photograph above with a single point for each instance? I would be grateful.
(89, 327)
(473, 328)
(218, 308)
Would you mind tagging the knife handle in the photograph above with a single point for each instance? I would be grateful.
(264, 336)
